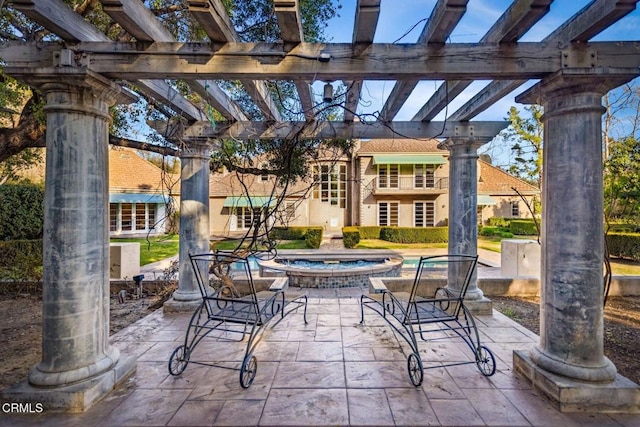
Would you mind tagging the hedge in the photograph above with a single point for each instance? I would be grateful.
(523, 228)
(624, 245)
(21, 260)
(415, 234)
(21, 211)
(350, 237)
(369, 232)
(311, 235)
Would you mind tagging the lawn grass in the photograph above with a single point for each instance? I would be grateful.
(153, 249)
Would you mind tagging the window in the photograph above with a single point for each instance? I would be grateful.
(388, 176)
(331, 184)
(127, 217)
(265, 175)
(246, 216)
(388, 214)
(290, 210)
(424, 214)
(515, 209)
(114, 209)
(423, 176)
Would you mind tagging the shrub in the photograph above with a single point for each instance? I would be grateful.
(288, 233)
(523, 227)
(498, 221)
(490, 231)
(369, 232)
(415, 234)
(350, 236)
(624, 245)
(313, 237)
(21, 211)
(21, 260)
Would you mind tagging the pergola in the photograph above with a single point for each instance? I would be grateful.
(81, 77)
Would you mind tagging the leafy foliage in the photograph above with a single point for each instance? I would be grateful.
(21, 260)
(350, 236)
(624, 245)
(21, 211)
(622, 180)
(415, 234)
(525, 134)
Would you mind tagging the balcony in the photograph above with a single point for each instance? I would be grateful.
(407, 185)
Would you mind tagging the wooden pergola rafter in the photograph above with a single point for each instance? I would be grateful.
(156, 57)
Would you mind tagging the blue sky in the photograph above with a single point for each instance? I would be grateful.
(398, 16)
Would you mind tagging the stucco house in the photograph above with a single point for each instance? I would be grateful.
(385, 182)
(140, 194)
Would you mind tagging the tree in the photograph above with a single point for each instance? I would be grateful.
(525, 134)
(254, 19)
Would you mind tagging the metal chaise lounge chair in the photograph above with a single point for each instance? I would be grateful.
(444, 316)
(227, 312)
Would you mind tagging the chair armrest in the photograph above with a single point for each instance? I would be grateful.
(376, 286)
(280, 284)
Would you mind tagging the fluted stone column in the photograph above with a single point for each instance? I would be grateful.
(78, 364)
(194, 223)
(463, 212)
(568, 364)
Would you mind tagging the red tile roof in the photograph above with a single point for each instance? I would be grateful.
(130, 173)
(400, 146)
(496, 181)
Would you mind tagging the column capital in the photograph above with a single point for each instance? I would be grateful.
(197, 149)
(567, 82)
(462, 147)
(56, 79)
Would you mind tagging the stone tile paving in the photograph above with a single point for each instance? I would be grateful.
(331, 371)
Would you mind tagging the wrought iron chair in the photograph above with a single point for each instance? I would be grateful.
(444, 316)
(223, 309)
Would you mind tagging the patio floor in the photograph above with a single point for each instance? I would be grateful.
(331, 371)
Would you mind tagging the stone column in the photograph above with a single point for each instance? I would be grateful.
(568, 364)
(571, 332)
(463, 211)
(194, 223)
(78, 365)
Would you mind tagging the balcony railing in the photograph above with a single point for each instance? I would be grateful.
(409, 184)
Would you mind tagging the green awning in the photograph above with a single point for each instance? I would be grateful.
(244, 201)
(137, 198)
(484, 199)
(408, 159)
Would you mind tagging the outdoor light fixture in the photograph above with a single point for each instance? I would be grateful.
(328, 93)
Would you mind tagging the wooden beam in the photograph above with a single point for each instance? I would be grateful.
(445, 93)
(288, 16)
(443, 19)
(592, 20)
(366, 21)
(513, 23)
(137, 20)
(60, 19)
(494, 91)
(214, 19)
(324, 129)
(464, 61)
(162, 91)
(583, 25)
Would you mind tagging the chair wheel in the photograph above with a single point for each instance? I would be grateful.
(248, 370)
(414, 366)
(179, 360)
(485, 361)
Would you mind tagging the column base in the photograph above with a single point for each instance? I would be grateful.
(619, 396)
(177, 306)
(77, 397)
(479, 306)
